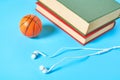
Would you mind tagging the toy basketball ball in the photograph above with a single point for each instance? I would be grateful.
(30, 25)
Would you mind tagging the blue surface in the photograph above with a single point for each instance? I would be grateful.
(16, 49)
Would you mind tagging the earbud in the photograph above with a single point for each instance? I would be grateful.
(36, 54)
(43, 69)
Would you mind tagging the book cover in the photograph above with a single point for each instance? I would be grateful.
(91, 10)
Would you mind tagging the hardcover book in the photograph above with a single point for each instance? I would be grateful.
(71, 31)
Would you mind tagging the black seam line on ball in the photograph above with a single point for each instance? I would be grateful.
(25, 20)
(29, 25)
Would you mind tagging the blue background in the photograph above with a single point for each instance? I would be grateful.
(16, 49)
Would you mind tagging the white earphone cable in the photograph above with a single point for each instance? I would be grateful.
(71, 48)
(88, 55)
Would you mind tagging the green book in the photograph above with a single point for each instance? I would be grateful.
(91, 10)
(84, 15)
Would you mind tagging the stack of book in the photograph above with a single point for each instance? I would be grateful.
(84, 20)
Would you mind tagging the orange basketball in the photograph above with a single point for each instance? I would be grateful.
(30, 25)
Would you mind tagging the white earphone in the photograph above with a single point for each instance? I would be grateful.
(101, 51)
(43, 69)
(37, 53)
